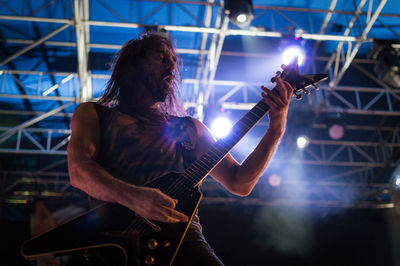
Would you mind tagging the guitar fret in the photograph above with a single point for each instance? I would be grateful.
(199, 169)
(243, 121)
(212, 159)
(250, 114)
(203, 165)
(195, 171)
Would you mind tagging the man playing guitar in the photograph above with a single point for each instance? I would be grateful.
(137, 132)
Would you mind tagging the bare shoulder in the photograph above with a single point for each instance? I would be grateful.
(85, 135)
(202, 130)
(205, 138)
(85, 110)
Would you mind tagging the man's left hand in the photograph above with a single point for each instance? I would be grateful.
(278, 100)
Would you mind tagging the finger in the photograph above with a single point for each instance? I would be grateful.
(273, 93)
(268, 100)
(285, 87)
(277, 92)
(173, 214)
(172, 220)
(265, 88)
(277, 98)
(166, 200)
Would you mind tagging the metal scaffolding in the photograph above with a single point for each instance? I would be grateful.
(213, 28)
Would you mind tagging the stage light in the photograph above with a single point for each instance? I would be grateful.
(291, 52)
(302, 141)
(336, 131)
(387, 56)
(395, 189)
(221, 127)
(240, 12)
(335, 124)
(241, 18)
(274, 180)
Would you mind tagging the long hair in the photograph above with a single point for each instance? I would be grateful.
(126, 67)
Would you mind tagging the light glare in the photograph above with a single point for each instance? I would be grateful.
(302, 142)
(241, 18)
(274, 180)
(397, 182)
(221, 127)
(290, 53)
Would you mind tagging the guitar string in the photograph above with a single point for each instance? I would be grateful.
(242, 126)
(191, 171)
(139, 224)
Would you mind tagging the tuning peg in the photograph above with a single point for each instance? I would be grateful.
(307, 92)
(315, 86)
(298, 97)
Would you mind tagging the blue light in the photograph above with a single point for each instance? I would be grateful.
(291, 52)
(302, 141)
(221, 127)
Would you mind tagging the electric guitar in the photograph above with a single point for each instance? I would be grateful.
(133, 240)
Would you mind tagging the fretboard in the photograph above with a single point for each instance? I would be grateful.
(201, 167)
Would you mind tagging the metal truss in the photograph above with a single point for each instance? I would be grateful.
(364, 157)
(300, 193)
(21, 140)
(25, 187)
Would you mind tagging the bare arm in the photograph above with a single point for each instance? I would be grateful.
(87, 175)
(241, 178)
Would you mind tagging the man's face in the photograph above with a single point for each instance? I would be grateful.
(157, 73)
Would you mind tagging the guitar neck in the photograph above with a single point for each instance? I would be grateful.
(200, 168)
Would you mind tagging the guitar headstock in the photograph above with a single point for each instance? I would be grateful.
(300, 83)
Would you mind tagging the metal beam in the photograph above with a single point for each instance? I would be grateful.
(4, 136)
(81, 14)
(29, 47)
(360, 41)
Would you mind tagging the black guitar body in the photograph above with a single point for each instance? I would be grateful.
(115, 235)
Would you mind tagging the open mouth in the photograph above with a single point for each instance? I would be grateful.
(167, 78)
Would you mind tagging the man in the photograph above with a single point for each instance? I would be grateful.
(136, 133)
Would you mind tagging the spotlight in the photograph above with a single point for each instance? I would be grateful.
(291, 52)
(335, 124)
(395, 189)
(387, 67)
(336, 131)
(274, 180)
(240, 12)
(221, 126)
(302, 141)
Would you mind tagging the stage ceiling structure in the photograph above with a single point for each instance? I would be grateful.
(55, 54)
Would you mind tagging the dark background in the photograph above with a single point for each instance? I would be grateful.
(273, 235)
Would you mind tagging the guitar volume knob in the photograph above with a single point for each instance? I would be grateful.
(152, 244)
(166, 244)
(149, 260)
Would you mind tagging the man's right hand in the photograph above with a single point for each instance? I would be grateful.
(152, 204)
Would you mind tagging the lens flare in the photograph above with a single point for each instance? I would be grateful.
(221, 127)
(302, 141)
(241, 18)
(290, 53)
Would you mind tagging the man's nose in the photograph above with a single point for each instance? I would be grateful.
(168, 61)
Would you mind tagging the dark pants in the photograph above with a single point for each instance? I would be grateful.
(195, 251)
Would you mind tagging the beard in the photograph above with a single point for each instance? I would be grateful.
(159, 89)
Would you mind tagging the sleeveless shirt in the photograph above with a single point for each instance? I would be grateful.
(139, 151)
